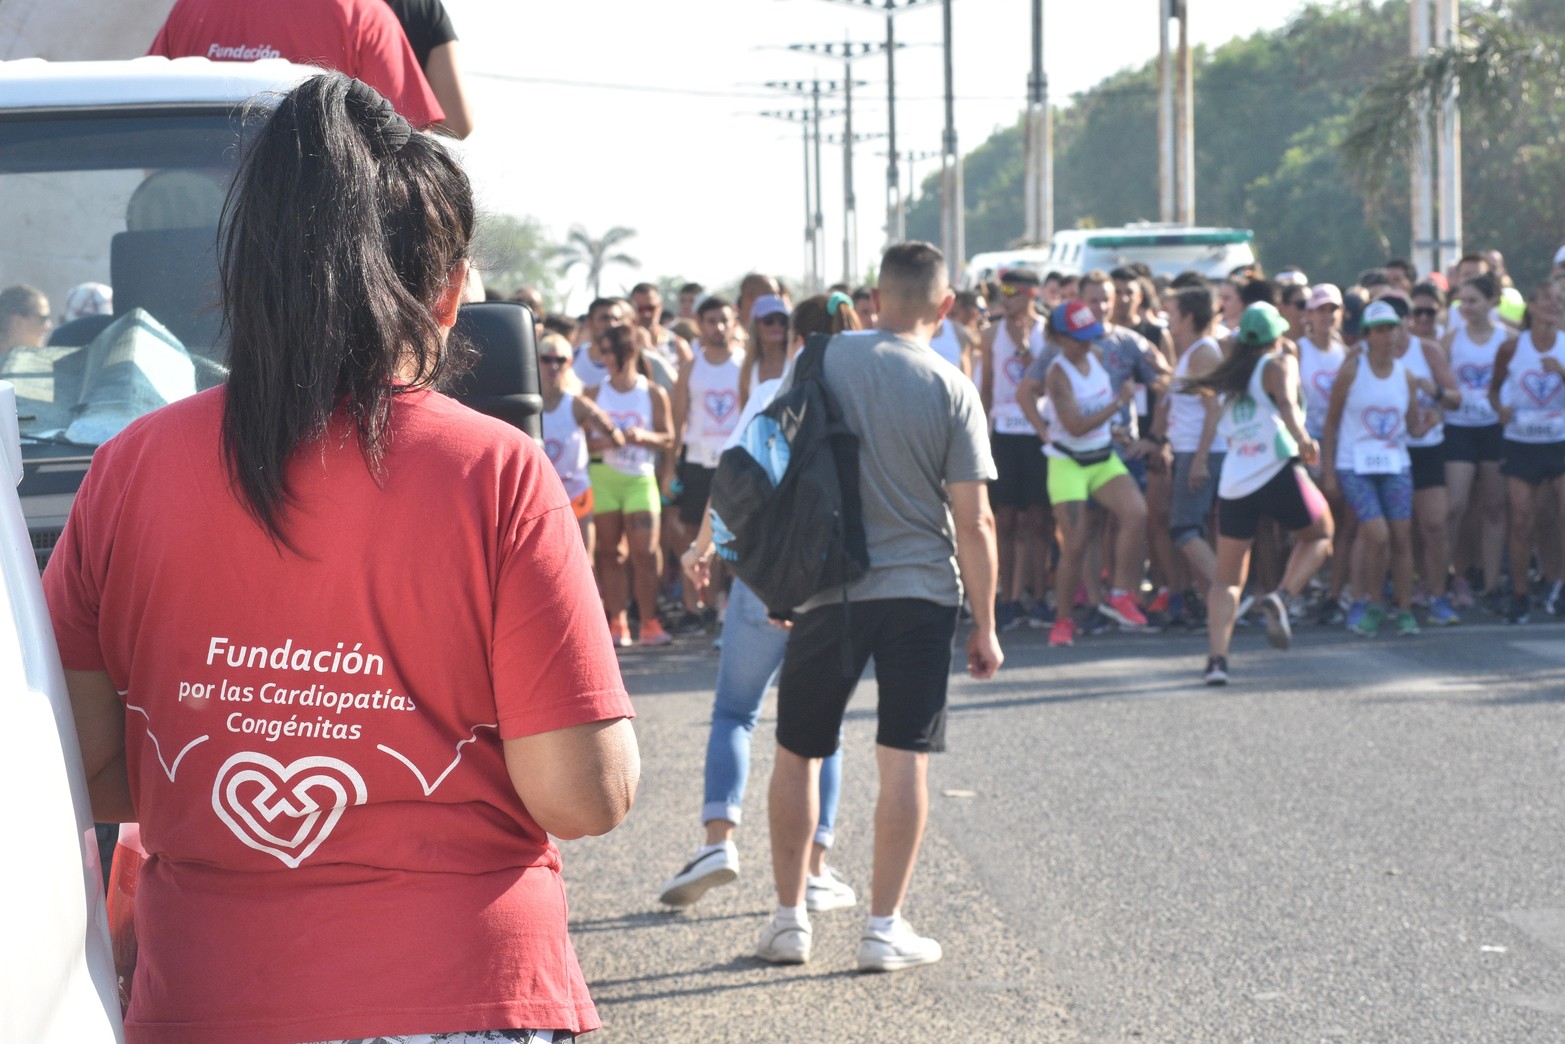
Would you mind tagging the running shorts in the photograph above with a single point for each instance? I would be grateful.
(695, 487)
(1428, 466)
(1472, 445)
(1289, 497)
(1070, 481)
(1023, 472)
(582, 505)
(1378, 496)
(910, 639)
(1189, 513)
(1533, 462)
(614, 492)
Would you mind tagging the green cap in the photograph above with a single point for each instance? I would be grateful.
(1261, 324)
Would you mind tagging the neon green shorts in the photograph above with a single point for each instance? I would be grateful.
(614, 492)
(1070, 481)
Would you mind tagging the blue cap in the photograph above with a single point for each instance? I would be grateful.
(767, 304)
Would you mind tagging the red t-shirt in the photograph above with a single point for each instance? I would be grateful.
(359, 37)
(313, 738)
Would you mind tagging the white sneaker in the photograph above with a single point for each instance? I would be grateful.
(706, 871)
(827, 892)
(897, 949)
(784, 943)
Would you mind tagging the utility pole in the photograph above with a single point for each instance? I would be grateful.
(953, 225)
(806, 119)
(1447, 28)
(915, 156)
(812, 90)
(896, 229)
(1184, 115)
(1038, 182)
(1176, 118)
(1425, 253)
(1165, 117)
(848, 51)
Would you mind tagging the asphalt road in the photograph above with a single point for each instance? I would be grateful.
(1357, 840)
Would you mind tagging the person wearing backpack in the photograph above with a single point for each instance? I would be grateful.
(922, 471)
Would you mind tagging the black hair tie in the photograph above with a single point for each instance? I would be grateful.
(385, 128)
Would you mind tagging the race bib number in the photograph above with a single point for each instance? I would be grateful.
(1475, 409)
(1371, 457)
(1539, 427)
(1009, 420)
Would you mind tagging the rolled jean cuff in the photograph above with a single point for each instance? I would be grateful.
(824, 836)
(721, 810)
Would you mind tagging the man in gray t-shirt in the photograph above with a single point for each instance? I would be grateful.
(924, 468)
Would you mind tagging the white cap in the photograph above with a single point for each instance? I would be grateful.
(1380, 314)
(1559, 256)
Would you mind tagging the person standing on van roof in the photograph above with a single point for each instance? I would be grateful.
(359, 37)
(433, 39)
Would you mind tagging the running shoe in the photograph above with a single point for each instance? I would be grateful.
(1007, 615)
(710, 868)
(1216, 670)
(1160, 601)
(1122, 609)
(1369, 622)
(1095, 623)
(1331, 614)
(1421, 594)
(1500, 602)
(897, 949)
(1441, 614)
(652, 634)
(1519, 611)
(827, 892)
(1355, 614)
(1462, 593)
(1554, 601)
(1041, 615)
(1407, 624)
(619, 634)
(784, 943)
(683, 621)
(1245, 605)
(1279, 630)
(1063, 632)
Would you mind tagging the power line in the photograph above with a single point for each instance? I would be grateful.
(696, 92)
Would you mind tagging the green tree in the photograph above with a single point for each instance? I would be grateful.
(513, 252)
(595, 255)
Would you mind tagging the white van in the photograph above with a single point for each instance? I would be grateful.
(1166, 249)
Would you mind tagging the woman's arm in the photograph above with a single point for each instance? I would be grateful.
(100, 732)
(1502, 370)
(1063, 397)
(591, 418)
(661, 436)
(577, 781)
(1281, 381)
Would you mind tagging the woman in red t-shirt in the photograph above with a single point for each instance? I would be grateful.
(333, 639)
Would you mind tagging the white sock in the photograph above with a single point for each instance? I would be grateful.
(883, 925)
(792, 915)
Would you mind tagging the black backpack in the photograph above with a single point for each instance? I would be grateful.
(786, 515)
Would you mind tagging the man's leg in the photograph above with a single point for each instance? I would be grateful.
(793, 808)
(900, 814)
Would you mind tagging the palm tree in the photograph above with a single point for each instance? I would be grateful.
(582, 249)
(1499, 68)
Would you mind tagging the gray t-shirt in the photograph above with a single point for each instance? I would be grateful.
(920, 426)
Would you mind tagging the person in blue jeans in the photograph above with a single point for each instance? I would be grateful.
(751, 653)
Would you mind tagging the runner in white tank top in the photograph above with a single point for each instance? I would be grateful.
(1317, 370)
(1008, 363)
(712, 406)
(1530, 400)
(566, 420)
(947, 342)
(1431, 372)
(1374, 406)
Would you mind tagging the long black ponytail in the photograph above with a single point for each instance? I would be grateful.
(340, 234)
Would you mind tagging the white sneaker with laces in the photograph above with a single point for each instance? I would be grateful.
(784, 943)
(897, 949)
(827, 892)
(706, 871)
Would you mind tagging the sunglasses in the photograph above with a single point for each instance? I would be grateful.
(553, 360)
(775, 319)
(1426, 313)
(1009, 290)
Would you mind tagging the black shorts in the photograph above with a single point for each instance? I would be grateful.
(1428, 466)
(696, 483)
(1533, 462)
(1023, 472)
(1289, 496)
(910, 639)
(1472, 445)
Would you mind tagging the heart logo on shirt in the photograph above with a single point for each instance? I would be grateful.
(1323, 380)
(626, 420)
(1382, 421)
(1474, 375)
(720, 405)
(284, 810)
(553, 447)
(1015, 369)
(1541, 385)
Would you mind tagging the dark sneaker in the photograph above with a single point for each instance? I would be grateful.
(1520, 610)
(1216, 670)
(1041, 617)
(1007, 615)
(1095, 623)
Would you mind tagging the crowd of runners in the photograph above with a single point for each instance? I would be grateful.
(1417, 419)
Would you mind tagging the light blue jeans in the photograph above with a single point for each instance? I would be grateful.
(752, 652)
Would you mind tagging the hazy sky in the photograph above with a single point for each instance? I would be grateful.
(643, 114)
